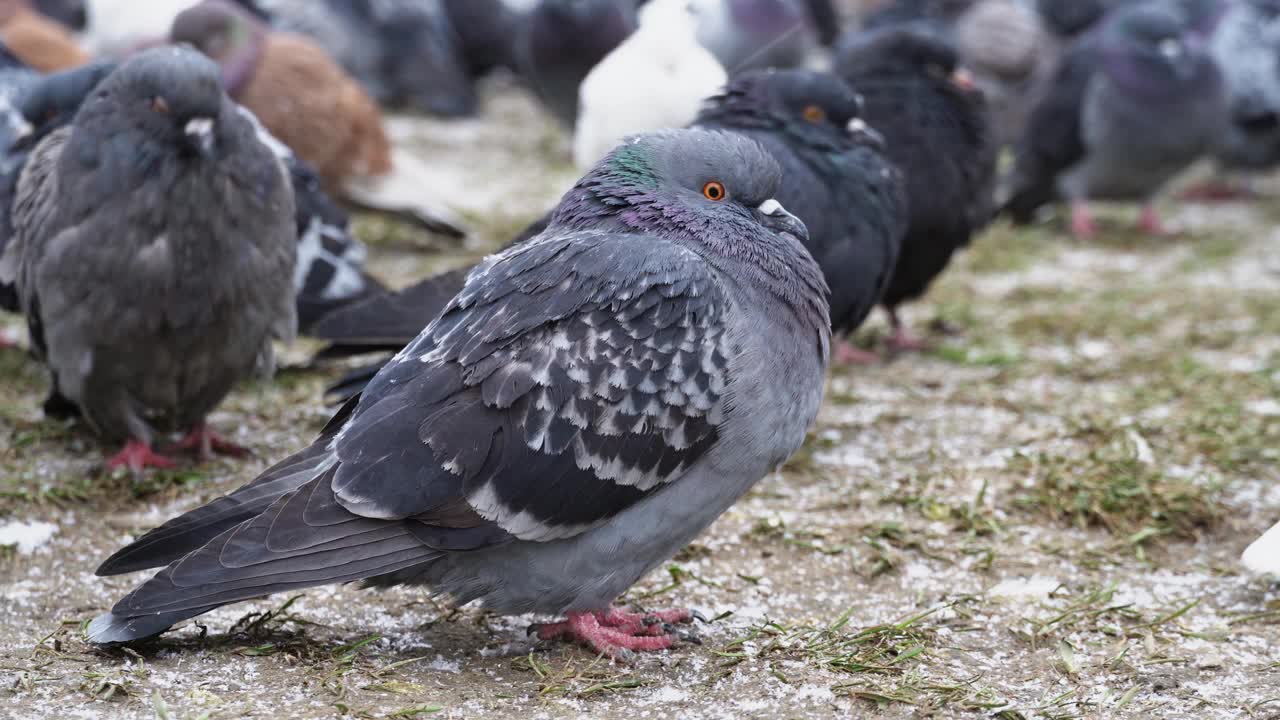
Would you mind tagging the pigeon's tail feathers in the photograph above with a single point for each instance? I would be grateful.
(387, 320)
(194, 529)
(304, 539)
(353, 383)
(1263, 556)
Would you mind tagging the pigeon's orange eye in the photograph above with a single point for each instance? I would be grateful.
(158, 104)
(815, 114)
(713, 191)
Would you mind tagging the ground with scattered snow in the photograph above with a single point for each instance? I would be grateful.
(1041, 518)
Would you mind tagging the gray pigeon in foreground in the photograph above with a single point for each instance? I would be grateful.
(588, 403)
(1133, 103)
(153, 253)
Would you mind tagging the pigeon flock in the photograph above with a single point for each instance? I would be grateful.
(538, 432)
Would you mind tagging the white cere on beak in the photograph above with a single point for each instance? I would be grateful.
(856, 126)
(199, 127)
(1170, 48)
(771, 207)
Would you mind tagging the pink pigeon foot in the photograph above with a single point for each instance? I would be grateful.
(902, 340)
(617, 633)
(1149, 222)
(848, 354)
(206, 443)
(137, 456)
(1082, 225)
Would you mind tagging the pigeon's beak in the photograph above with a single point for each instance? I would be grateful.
(864, 134)
(776, 218)
(199, 132)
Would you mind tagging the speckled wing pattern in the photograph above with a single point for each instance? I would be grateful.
(570, 378)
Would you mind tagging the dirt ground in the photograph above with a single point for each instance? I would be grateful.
(1041, 518)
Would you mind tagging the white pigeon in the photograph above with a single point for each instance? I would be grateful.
(1263, 556)
(656, 79)
(115, 28)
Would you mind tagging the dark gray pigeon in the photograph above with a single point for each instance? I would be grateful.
(755, 34)
(938, 132)
(559, 41)
(487, 31)
(1133, 103)
(839, 180)
(404, 52)
(153, 253)
(1246, 46)
(15, 79)
(329, 273)
(591, 401)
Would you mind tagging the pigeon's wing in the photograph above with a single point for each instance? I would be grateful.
(571, 378)
(387, 320)
(1053, 140)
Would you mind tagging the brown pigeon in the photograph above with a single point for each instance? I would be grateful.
(294, 87)
(38, 41)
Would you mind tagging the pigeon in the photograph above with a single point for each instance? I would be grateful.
(71, 14)
(115, 29)
(486, 32)
(329, 273)
(1246, 47)
(840, 182)
(561, 40)
(1263, 555)
(589, 403)
(1133, 103)
(40, 42)
(153, 252)
(938, 133)
(656, 79)
(755, 34)
(292, 85)
(404, 52)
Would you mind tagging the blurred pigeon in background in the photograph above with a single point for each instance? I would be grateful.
(1131, 106)
(486, 32)
(838, 180)
(329, 272)
(116, 28)
(523, 451)
(657, 78)
(404, 52)
(561, 40)
(938, 133)
(15, 79)
(1246, 46)
(751, 34)
(40, 42)
(309, 103)
(154, 268)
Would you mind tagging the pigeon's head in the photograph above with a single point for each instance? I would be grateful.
(910, 50)
(706, 186)
(1153, 49)
(167, 95)
(226, 32)
(809, 105)
(54, 101)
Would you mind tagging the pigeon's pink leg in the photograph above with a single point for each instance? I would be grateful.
(902, 340)
(205, 442)
(137, 456)
(1149, 222)
(847, 354)
(1082, 221)
(616, 633)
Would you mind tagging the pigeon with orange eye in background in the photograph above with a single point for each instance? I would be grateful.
(840, 181)
(938, 132)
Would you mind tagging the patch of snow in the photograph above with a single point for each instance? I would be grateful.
(27, 536)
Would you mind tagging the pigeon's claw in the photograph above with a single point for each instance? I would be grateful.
(619, 634)
(138, 456)
(206, 443)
